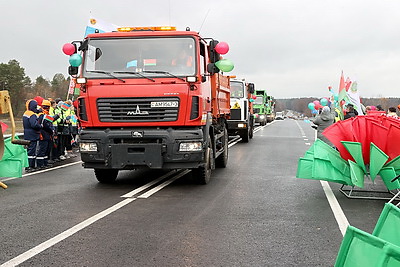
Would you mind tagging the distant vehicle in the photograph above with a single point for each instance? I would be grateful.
(279, 116)
(241, 121)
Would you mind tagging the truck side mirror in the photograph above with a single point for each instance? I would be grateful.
(212, 69)
(251, 88)
(214, 56)
(72, 70)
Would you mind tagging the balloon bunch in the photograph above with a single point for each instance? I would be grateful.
(253, 98)
(224, 65)
(318, 104)
(70, 50)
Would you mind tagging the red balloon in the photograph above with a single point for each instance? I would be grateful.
(222, 48)
(68, 49)
(254, 97)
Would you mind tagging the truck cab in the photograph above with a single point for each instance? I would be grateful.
(260, 106)
(241, 121)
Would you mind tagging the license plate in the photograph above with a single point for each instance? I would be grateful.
(164, 104)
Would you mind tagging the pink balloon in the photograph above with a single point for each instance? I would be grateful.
(68, 49)
(222, 48)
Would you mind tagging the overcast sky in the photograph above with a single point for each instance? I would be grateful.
(292, 48)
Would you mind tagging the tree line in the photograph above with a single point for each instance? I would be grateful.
(22, 88)
(301, 104)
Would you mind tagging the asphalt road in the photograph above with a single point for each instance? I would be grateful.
(252, 213)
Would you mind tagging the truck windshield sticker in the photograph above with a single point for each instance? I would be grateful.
(150, 62)
(132, 63)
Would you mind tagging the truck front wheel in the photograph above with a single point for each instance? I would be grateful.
(222, 159)
(106, 176)
(245, 135)
(202, 174)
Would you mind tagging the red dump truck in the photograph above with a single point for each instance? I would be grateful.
(151, 98)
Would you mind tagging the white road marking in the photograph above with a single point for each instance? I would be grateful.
(42, 171)
(144, 187)
(60, 237)
(335, 206)
(161, 186)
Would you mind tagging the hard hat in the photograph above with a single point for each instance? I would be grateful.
(46, 103)
(398, 106)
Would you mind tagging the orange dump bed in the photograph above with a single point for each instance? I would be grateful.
(220, 93)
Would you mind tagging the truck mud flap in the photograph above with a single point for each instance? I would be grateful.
(137, 155)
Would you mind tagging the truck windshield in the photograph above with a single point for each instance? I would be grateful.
(154, 57)
(258, 100)
(237, 89)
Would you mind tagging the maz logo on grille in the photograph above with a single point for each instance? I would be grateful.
(137, 112)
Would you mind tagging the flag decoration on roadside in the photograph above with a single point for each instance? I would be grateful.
(366, 146)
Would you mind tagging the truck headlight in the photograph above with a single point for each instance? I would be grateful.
(88, 147)
(262, 117)
(191, 146)
(241, 125)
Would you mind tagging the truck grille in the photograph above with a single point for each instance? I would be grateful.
(136, 109)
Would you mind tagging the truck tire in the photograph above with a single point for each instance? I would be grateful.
(202, 174)
(222, 159)
(106, 176)
(251, 133)
(245, 135)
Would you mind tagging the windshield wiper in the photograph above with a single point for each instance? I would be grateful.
(134, 72)
(164, 72)
(107, 73)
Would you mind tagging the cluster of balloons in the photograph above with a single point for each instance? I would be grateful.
(318, 104)
(75, 59)
(253, 97)
(224, 65)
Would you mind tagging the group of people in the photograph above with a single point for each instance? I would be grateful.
(326, 117)
(51, 126)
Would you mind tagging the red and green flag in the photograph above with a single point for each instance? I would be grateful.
(48, 118)
(65, 106)
(150, 62)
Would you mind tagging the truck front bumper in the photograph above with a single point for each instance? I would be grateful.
(235, 127)
(132, 148)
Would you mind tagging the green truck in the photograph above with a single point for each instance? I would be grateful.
(263, 107)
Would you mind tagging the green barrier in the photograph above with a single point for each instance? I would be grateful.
(15, 158)
(378, 158)
(362, 249)
(357, 174)
(304, 168)
(324, 170)
(395, 163)
(388, 225)
(387, 174)
(355, 150)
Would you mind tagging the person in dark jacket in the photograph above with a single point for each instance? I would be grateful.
(46, 135)
(31, 131)
(323, 121)
(350, 112)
